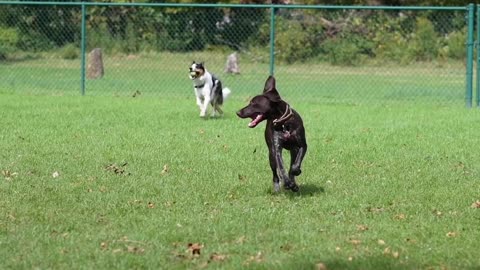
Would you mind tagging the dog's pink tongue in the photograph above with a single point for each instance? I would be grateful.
(255, 121)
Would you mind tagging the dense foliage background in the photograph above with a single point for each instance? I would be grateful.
(339, 37)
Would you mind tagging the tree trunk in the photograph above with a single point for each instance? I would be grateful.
(95, 64)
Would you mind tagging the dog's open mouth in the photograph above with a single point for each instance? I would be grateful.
(255, 120)
(193, 75)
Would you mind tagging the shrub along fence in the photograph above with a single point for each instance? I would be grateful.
(318, 53)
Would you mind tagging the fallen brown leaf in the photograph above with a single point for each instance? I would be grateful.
(320, 266)
(8, 175)
(151, 205)
(117, 169)
(241, 240)
(194, 248)
(135, 250)
(165, 169)
(217, 257)
(375, 209)
(381, 242)
(400, 216)
(362, 228)
(452, 234)
(476, 204)
(355, 242)
(286, 247)
(257, 258)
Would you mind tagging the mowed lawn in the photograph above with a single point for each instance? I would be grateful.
(143, 183)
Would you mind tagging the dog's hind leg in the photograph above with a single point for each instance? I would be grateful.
(218, 109)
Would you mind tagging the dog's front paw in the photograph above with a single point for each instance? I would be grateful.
(292, 186)
(295, 171)
(202, 114)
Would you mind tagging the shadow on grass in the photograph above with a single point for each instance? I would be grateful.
(305, 190)
(308, 189)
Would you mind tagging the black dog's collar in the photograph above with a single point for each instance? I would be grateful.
(287, 114)
(214, 79)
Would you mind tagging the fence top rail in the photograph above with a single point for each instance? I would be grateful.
(220, 5)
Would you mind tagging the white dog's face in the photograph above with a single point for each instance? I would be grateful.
(196, 70)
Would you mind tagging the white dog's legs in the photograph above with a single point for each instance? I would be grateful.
(199, 103)
(204, 106)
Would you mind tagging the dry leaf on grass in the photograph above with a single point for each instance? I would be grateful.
(257, 258)
(355, 242)
(8, 175)
(151, 205)
(320, 266)
(388, 252)
(165, 169)
(194, 248)
(381, 242)
(55, 174)
(135, 250)
(476, 204)
(241, 239)
(362, 228)
(452, 234)
(119, 170)
(217, 257)
(375, 209)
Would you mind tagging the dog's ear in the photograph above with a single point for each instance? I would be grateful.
(193, 62)
(273, 95)
(269, 84)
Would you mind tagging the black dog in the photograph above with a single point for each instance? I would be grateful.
(284, 130)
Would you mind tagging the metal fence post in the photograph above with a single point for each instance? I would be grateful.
(477, 45)
(470, 43)
(83, 45)
(272, 40)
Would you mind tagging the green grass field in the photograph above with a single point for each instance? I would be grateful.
(166, 75)
(103, 182)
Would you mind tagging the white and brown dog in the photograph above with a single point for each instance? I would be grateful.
(208, 89)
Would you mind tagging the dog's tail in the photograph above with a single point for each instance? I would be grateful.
(226, 92)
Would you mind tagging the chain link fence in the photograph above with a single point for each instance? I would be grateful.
(319, 53)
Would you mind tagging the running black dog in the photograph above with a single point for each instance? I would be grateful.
(284, 130)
